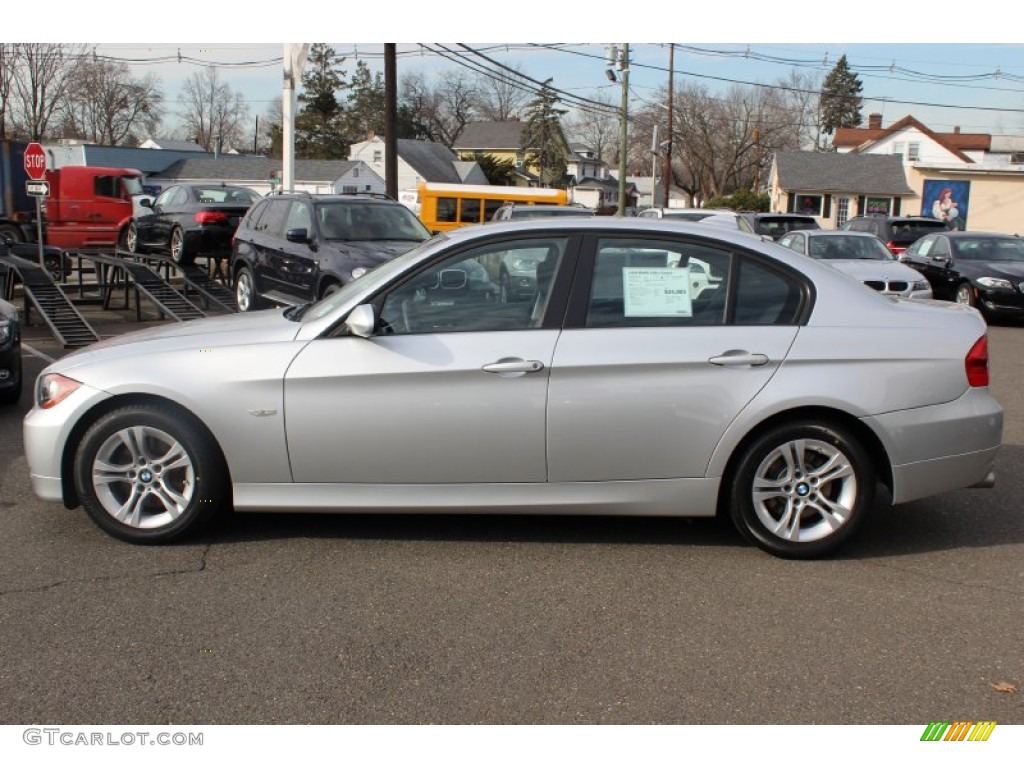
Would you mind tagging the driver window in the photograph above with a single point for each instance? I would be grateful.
(497, 287)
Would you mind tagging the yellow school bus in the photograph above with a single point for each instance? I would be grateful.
(447, 206)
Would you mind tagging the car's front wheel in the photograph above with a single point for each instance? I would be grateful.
(245, 290)
(149, 474)
(800, 490)
(131, 238)
(965, 295)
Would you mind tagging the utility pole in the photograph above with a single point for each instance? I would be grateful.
(623, 64)
(667, 172)
(294, 63)
(390, 122)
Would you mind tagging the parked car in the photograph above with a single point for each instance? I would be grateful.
(188, 220)
(981, 269)
(10, 354)
(298, 247)
(722, 217)
(896, 232)
(775, 225)
(538, 211)
(861, 255)
(614, 391)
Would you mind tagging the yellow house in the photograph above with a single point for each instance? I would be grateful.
(503, 141)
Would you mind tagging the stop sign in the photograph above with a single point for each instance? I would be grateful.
(35, 161)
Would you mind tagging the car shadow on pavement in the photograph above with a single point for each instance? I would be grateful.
(966, 518)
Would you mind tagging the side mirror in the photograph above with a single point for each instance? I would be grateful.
(145, 202)
(361, 321)
(300, 235)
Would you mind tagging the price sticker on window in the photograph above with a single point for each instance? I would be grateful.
(656, 292)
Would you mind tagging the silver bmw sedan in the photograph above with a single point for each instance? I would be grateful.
(659, 368)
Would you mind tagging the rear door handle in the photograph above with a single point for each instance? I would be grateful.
(739, 357)
(514, 365)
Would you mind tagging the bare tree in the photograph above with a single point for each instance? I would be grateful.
(502, 97)
(801, 92)
(597, 129)
(8, 61)
(42, 74)
(106, 105)
(442, 111)
(214, 114)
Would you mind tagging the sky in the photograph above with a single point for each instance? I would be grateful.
(969, 74)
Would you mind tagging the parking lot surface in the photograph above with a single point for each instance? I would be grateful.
(496, 619)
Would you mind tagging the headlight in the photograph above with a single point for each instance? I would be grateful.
(5, 330)
(53, 388)
(920, 285)
(359, 272)
(995, 282)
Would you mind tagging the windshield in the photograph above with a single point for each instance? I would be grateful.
(227, 195)
(376, 277)
(778, 226)
(530, 212)
(907, 232)
(848, 247)
(989, 248)
(133, 185)
(368, 221)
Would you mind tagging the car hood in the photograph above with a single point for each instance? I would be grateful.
(1009, 269)
(870, 269)
(367, 254)
(245, 328)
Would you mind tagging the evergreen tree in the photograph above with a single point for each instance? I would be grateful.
(840, 98)
(542, 138)
(497, 171)
(319, 126)
(364, 113)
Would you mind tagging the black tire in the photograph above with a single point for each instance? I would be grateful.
(13, 234)
(176, 247)
(117, 466)
(819, 471)
(246, 297)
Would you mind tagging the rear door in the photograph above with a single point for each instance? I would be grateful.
(653, 365)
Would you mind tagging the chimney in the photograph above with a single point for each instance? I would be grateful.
(956, 129)
(875, 121)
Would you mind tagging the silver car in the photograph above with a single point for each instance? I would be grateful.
(862, 256)
(780, 393)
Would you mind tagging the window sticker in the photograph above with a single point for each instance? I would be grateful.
(656, 292)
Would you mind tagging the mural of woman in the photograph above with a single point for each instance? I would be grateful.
(946, 209)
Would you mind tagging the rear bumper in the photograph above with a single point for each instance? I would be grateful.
(942, 447)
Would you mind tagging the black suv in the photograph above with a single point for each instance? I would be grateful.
(776, 225)
(897, 232)
(296, 247)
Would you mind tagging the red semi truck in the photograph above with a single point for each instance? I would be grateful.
(88, 206)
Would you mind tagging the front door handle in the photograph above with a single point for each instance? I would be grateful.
(739, 357)
(514, 365)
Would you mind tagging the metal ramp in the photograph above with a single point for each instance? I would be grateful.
(195, 278)
(65, 321)
(147, 284)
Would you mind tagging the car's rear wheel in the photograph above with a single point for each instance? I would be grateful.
(800, 490)
(150, 474)
(245, 291)
(329, 290)
(179, 254)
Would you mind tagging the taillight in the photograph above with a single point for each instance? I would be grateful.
(211, 217)
(894, 249)
(976, 363)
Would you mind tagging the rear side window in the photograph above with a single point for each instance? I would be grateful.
(273, 218)
(765, 296)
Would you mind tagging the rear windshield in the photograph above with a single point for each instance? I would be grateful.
(907, 232)
(777, 226)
